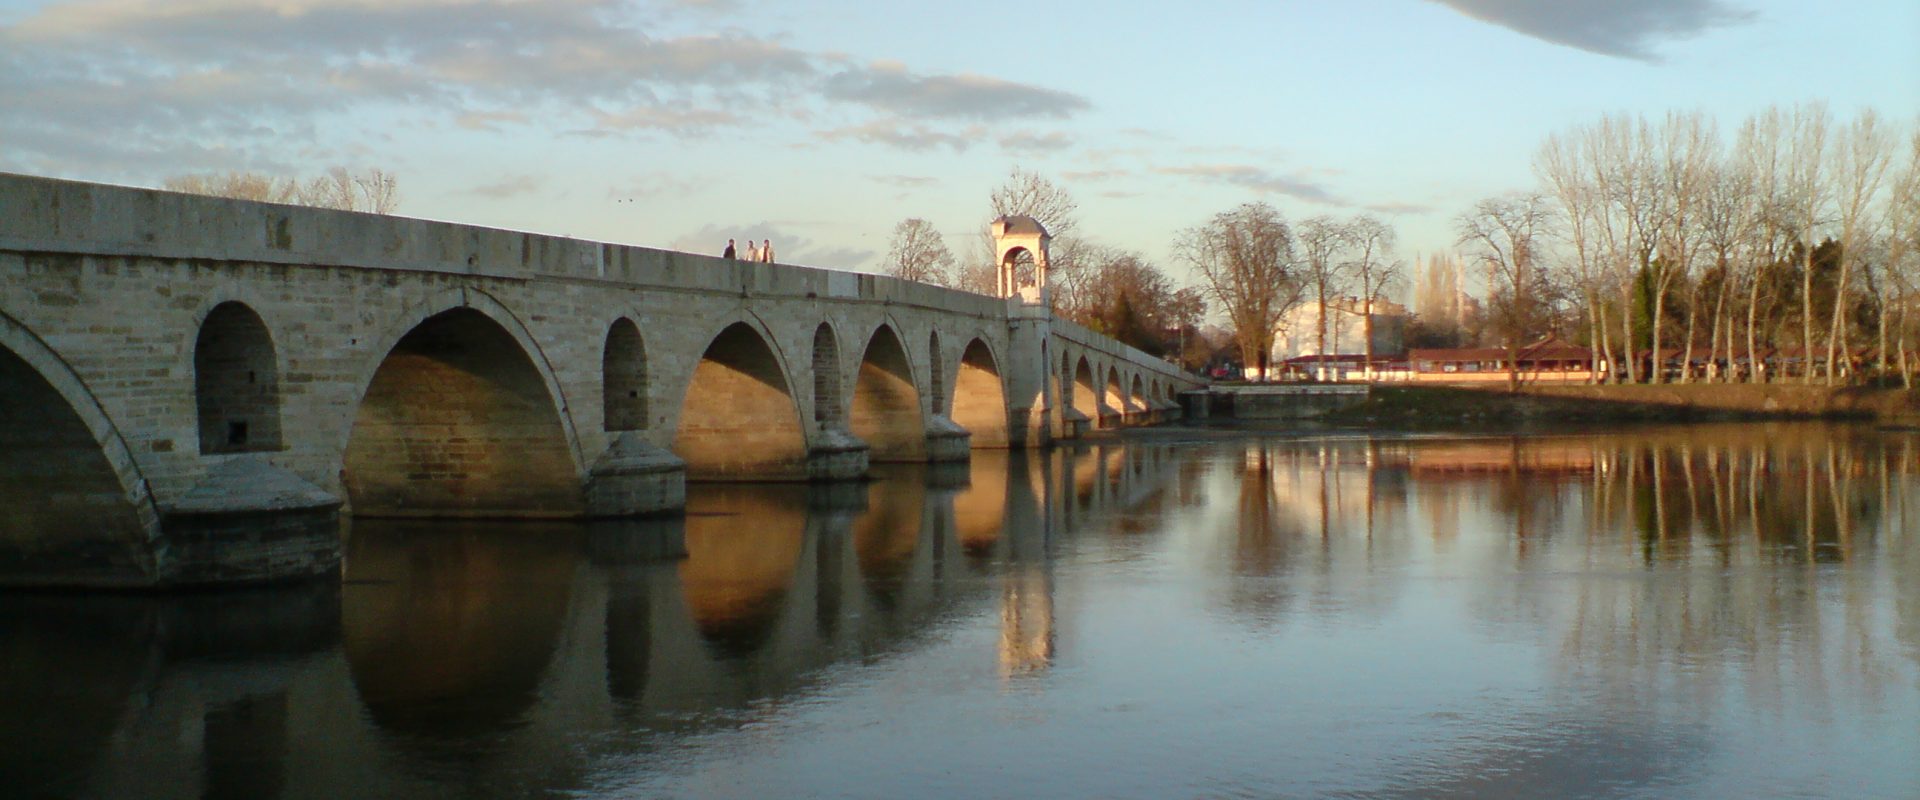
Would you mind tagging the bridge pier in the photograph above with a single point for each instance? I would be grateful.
(947, 441)
(247, 521)
(634, 478)
(837, 456)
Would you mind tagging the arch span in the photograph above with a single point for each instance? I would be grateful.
(73, 506)
(458, 421)
(236, 382)
(738, 419)
(886, 405)
(980, 397)
(1137, 398)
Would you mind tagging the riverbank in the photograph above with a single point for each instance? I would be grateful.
(1490, 408)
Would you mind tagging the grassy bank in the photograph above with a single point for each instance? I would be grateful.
(1476, 408)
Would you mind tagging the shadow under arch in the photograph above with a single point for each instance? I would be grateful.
(738, 417)
(236, 381)
(1137, 398)
(74, 508)
(458, 420)
(885, 412)
(1114, 403)
(828, 407)
(1086, 394)
(980, 397)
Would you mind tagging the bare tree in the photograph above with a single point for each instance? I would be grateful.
(1374, 269)
(918, 253)
(1808, 190)
(374, 191)
(1903, 249)
(1504, 234)
(1688, 150)
(1033, 195)
(1562, 164)
(1246, 258)
(1860, 163)
(1321, 244)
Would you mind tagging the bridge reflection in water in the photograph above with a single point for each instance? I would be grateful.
(1654, 574)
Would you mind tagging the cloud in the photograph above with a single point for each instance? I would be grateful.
(1399, 208)
(510, 186)
(488, 120)
(1090, 175)
(687, 122)
(904, 135)
(121, 82)
(905, 181)
(1030, 142)
(889, 87)
(1620, 28)
(1258, 179)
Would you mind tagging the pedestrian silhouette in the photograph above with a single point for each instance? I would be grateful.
(728, 253)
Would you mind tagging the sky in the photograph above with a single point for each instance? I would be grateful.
(821, 125)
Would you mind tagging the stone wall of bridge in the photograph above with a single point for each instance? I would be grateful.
(214, 358)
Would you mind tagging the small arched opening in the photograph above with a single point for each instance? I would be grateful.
(236, 382)
(623, 375)
(1114, 403)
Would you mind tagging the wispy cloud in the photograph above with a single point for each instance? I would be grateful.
(890, 87)
(1258, 179)
(510, 186)
(1620, 28)
(904, 135)
(1030, 142)
(905, 181)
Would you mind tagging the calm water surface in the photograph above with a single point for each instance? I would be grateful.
(1703, 612)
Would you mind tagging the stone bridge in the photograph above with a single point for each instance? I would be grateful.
(193, 389)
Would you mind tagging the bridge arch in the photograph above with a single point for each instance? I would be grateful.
(1138, 402)
(236, 381)
(980, 396)
(74, 507)
(623, 377)
(738, 416)
(885, 412)
(461, 416)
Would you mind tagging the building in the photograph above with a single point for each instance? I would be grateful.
(1298, 335)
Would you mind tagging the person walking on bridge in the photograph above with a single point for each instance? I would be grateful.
(766, 251)
(728, 253)
(753, 253)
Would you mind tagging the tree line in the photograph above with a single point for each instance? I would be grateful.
(371, 190)
(1792, 246)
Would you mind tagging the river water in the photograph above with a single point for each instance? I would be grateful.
(1691, 612)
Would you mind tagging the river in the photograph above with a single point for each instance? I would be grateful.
(1710, 611)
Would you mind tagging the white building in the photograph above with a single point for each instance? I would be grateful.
(1298, 333)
